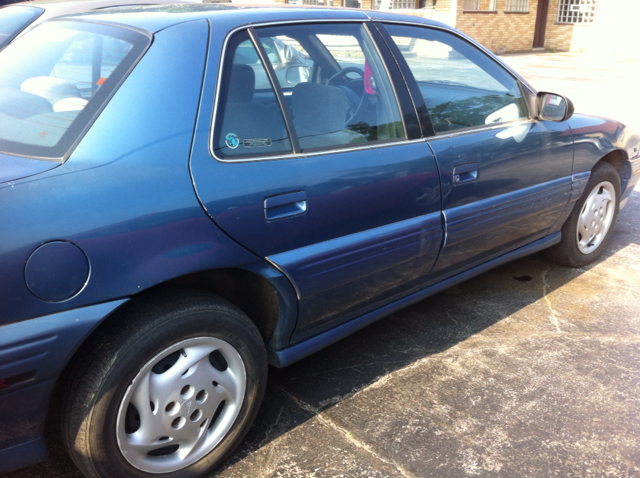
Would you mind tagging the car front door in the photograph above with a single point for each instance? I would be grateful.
(323, 172)
(506, 178)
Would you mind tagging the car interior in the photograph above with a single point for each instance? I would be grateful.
(338, 103)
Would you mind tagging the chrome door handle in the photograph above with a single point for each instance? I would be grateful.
(465, 173)
(285, 205)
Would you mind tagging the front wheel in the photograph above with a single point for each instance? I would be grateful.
(591, 222)
(170, 387)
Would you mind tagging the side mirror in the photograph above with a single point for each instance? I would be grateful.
(553, 107)
(297, 74)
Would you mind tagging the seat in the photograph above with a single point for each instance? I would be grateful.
(319, 114)
(62, 95)
(247, 119)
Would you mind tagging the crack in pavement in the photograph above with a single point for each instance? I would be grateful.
(545, 287)
(273, 425)
(326, 421)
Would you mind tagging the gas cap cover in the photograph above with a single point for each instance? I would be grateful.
(56, 271)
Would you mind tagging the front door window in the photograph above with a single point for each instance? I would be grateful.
(461, 86)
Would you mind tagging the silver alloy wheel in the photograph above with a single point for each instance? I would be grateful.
(596, 217)
(181, 404)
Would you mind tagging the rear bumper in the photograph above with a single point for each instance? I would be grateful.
(22, 416)
(33, 353)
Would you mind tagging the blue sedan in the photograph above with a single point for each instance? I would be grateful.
(192, 192)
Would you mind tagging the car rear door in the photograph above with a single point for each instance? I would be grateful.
(506, 178)
(348, 210)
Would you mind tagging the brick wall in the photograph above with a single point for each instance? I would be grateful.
(443, 6)
(558, 36)
(500, 30)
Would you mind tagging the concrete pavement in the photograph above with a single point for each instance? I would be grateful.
(531, 369)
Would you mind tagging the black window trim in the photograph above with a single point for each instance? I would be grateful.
(405, 104)
(411, 85)
(524, 86)
(275, 84)
(280, 94)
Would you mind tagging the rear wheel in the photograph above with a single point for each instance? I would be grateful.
(591, 222)
(170, 387)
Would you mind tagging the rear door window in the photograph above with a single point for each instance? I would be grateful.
(249, 121)
(336, 84)
(328, 78)
(56, 79)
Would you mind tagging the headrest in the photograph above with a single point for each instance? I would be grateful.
(242, 83)
(50, 88)
(319, 107)
(69, 104)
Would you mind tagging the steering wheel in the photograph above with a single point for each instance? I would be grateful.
(354, 100)
(344, 72)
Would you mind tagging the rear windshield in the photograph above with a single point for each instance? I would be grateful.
(15, 19)
(56, 79)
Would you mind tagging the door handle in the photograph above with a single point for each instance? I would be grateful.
(465, 173)
(285, 205)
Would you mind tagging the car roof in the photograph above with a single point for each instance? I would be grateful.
(154, 18)
(55, 8)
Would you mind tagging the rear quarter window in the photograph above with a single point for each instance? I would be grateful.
(56, 79)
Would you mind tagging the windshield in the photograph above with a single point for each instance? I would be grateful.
(54, 81)
(15, 19)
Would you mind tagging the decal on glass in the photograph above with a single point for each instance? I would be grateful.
(232, 140)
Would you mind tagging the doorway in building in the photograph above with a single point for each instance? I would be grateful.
(541, 24)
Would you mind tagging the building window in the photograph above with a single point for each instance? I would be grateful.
(480, 5)
(517, 6)
(577, 11)
(393, 4)
(311, 2)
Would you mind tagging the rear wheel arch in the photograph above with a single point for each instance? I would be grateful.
(162, 320)
(268, 302)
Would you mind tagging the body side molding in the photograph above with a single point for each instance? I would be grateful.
(285, 357)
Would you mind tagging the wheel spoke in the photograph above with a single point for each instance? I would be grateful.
(165, 384)
(604, 196)
(193, 355)
(141, 399)
(143, 447)
(226, 381)
(197, 443)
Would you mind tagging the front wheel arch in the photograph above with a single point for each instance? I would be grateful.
(588, 228)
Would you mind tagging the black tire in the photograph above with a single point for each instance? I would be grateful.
(568, 251)
(107, 369)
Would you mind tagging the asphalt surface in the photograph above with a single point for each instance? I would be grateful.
(531, 369)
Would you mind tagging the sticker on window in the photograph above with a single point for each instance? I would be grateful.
(257, 143)
(232, 140)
